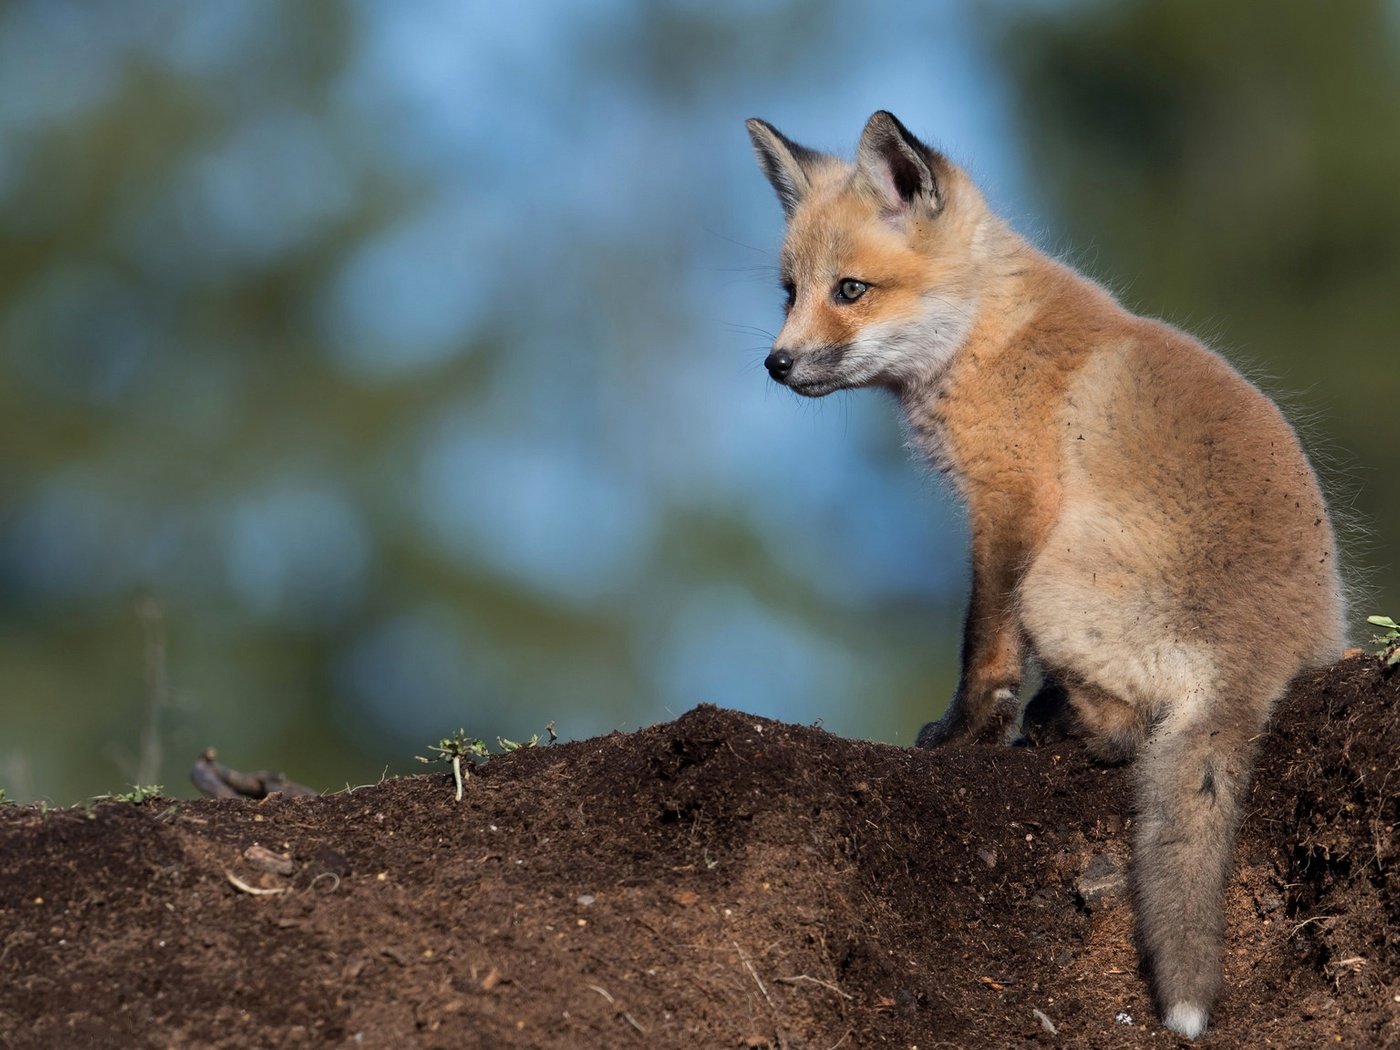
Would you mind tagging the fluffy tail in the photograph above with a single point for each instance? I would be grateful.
(1192, 776)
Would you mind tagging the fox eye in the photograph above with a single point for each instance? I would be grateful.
(789, 294)
(849, 290)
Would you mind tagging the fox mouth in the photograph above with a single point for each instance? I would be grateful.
(811, 387)
(798, 376)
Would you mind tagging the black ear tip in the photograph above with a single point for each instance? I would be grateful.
(885, 122)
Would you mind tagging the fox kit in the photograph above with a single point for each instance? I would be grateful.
(1144, 522)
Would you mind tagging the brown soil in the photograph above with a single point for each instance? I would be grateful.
(718, 881)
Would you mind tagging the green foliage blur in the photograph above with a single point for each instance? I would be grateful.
(369, 369)
(1230, 167)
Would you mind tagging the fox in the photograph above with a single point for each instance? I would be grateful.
(1145, 525)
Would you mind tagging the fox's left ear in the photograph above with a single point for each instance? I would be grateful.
(901, 170)
(787, 165)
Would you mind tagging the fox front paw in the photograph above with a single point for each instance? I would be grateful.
(988, 717)
(935, 733)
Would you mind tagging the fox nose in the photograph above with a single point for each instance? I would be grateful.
(779, 364)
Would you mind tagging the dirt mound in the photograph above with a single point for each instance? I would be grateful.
(718, 881)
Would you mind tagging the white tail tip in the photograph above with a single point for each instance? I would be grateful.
(1186, 1019)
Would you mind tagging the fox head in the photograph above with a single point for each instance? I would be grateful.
(878, 264)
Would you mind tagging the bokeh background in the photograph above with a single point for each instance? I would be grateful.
(371, 369)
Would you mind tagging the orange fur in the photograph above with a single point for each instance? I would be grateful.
(1144, 521)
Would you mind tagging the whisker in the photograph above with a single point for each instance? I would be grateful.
(766, 270)
(738, 244)
(748, 329)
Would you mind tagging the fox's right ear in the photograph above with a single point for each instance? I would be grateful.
(786, 164)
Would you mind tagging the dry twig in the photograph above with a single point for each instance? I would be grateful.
(745, 960)
(256, 891)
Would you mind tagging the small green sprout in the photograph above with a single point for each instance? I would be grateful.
(455, 748)
(5, 799)
(1389, 642)
(139, 793)
(459, 746)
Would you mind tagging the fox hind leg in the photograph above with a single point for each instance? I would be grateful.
(1068, 706)
(1114, 729)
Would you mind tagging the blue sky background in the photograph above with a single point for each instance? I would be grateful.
(409, 357)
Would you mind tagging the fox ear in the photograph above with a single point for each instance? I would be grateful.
(786, 164)
(901, 170)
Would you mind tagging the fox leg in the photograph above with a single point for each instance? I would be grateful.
(1046, 719)
(1066, 706)
(1113, 728)
(986, 705)
(1191, 780)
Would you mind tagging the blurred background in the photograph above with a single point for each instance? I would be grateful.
(374, 369)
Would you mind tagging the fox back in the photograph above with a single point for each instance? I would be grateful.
(1145, 524)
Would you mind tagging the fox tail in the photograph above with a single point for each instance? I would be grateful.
(1191, 781)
